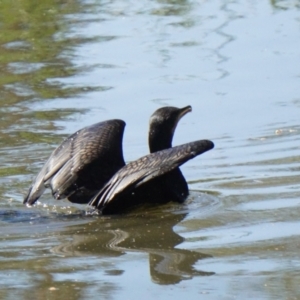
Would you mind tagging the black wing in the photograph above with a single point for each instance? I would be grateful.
(80, 166)
(145, 169)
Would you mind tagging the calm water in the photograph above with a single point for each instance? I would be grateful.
(68, 64)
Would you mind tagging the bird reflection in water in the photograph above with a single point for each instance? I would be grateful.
(150, 232)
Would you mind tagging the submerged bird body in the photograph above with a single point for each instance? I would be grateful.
(137, 177)
(89, 166)
(82, 164)
(86, 160)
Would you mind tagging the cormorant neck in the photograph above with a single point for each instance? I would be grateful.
(159, 140)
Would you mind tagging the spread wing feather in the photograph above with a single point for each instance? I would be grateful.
(75, 154)
(145, 169)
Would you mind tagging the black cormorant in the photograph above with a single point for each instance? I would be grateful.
(87, 159)
(120, 193)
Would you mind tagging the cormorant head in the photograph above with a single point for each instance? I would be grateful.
(163, 123)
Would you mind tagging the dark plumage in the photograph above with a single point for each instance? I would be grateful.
(121, 190)
(82, 164)
(87, 159)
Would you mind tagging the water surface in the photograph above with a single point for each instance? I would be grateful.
(68, 64)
